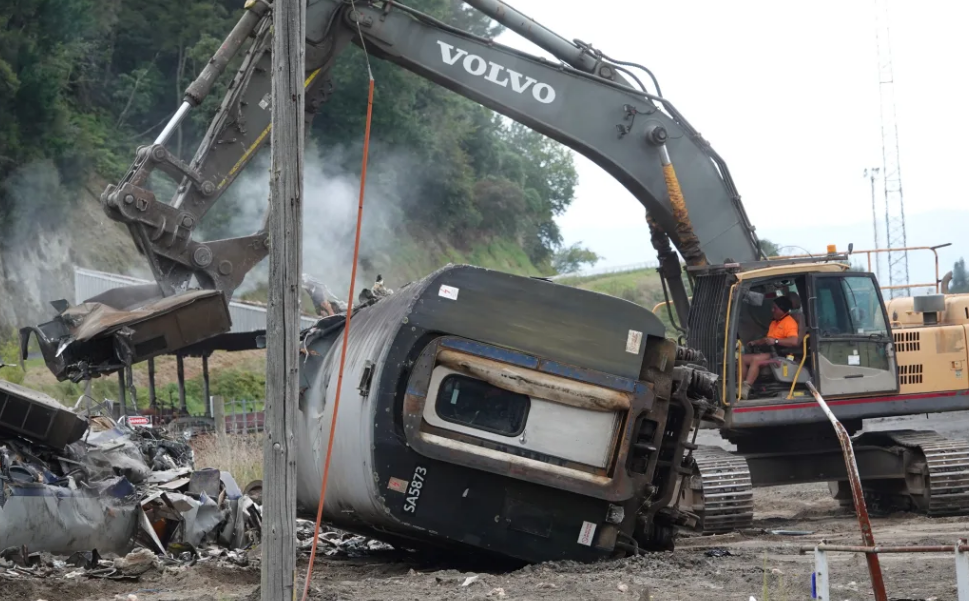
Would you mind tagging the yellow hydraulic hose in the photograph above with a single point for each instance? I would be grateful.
(790, 395)
(726, 343)
(662, 303)
(740, 370)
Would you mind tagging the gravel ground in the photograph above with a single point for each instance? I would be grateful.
(757, 562)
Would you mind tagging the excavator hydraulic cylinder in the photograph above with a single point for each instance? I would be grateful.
(534, 32)
(689, 243)
(202, 85)
(200, 88)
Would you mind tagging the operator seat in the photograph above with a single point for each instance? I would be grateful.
(784, 370)
(775, 377)
(802, 330)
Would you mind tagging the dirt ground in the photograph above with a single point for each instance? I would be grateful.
(758, 561)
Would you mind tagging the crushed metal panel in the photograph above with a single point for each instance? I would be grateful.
(93, 339)
(38, 417)
(89, 320)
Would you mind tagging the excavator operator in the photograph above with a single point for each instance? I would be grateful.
(783, 331)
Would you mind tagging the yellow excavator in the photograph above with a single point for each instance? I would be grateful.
(869, 357)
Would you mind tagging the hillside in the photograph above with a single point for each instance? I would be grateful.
(83, 83)
(642, 287)
(411, 260)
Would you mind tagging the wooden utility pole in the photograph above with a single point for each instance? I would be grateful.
(282, 328)
(218, 415)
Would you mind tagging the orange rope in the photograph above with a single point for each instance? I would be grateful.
(346, 339)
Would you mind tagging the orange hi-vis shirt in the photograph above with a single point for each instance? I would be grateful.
(785, 328)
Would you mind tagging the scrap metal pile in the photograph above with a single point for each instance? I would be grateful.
(87, 496)
(332, 542)
(77, 490)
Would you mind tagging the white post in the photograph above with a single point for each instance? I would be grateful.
(962, 572)
(218, 416)
(821, 582)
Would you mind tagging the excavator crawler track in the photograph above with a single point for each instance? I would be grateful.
(946, 487)
(719, 491)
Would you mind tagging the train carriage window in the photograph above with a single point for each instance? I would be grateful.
(471, 402)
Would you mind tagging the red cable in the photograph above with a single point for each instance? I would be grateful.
(346, 338)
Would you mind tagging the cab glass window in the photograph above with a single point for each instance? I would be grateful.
(849, 306)
(865, 308)
(471, 402)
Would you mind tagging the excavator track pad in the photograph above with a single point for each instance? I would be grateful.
(937, 473)
(719, 491)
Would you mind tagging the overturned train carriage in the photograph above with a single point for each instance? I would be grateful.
(485, 411)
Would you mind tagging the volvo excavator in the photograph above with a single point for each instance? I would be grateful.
(565, 428)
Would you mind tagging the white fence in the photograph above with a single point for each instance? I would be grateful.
(607, 270)
(246, 317)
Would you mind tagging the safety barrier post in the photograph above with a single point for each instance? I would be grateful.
(820, 582)
(821, 577)
(962, 570)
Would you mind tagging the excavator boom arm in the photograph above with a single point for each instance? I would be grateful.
(586, 104)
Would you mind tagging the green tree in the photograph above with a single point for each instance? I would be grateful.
(960, 280)
(769, 248)
(83, 83)
(46, 48)
(501, 204)
(571, 258)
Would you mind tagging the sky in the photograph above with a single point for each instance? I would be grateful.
(788, 94)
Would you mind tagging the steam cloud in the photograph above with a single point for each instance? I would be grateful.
(330, 195)
(41, 239)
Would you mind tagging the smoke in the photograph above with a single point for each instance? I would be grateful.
(47, 227)
(32, 196)
(36, 253)
(139, 271)
(330, 196)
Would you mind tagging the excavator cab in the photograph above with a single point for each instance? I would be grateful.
(845, 342)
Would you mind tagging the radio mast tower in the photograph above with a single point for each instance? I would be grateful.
(895, 237)
(871, 174)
